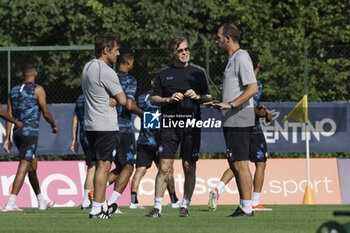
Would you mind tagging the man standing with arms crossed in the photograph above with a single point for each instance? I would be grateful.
(239, 85)
(25, 103)
(179, 89)
(99, 83)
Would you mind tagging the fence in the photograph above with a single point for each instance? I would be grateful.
(283, 69)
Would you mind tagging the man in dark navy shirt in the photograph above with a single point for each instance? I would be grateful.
(179, 89)
(147, 151)
(25, 103)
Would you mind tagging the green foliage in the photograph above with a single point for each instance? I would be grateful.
(276, 29)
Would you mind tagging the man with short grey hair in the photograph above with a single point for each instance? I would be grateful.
(239, 86)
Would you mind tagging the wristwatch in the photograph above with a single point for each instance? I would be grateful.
(231, 104)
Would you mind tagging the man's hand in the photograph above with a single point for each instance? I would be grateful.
(7, 146)
(217, 105)
(54, 129)
(192, 94)
(260, 111)
(112, 102)
(75, 146)
(176, 97)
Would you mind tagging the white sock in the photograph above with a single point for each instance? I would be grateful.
(158, 203)
(86, 201)
(241, 203)
(247, 206)
(41, 198)
(96, 207)
(256, 199)
(114, 197)
(12, 200)
(186, 203)
(221, 185)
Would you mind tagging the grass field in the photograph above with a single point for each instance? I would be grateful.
(283, 218)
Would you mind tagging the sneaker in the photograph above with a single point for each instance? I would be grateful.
(118, 211)
(240, 213)
(261, 208)
(112, 209)
(154, 213)
(46, 205)
(85, 207)
(213, 199)
(177, 204)
(105, 214)
(11, 208)
(135, 206)
(102, 215)
(184, 212)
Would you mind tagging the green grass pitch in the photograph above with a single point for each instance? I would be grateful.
(283, 218)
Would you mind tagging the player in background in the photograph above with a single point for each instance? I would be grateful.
(257, 151)
(78, 119)
(125, 157)
(89, 180)
(25, 103)
(147, 151)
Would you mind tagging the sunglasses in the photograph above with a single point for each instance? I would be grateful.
(187, 49)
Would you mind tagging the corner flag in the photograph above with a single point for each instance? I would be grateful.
(299, 112)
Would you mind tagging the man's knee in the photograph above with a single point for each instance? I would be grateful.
(260, 166)
(189, 167)
(128, 167)
(239, 165)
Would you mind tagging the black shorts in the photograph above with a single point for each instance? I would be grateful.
(145, 155)
(103, 145)
(26, 146)
(237, 143)
(257, 148)
(188, 138)
(126, 151)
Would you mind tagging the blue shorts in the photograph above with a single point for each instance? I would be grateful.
(257, 148)
(126, 150)
(26, 146)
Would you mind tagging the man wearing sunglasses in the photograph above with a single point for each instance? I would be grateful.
(179, 89)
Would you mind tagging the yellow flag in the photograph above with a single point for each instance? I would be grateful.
(299, 112)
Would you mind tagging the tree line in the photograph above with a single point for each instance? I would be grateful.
(282, 32)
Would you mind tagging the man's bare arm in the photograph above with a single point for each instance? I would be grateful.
(132, 107)
(41, 97)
